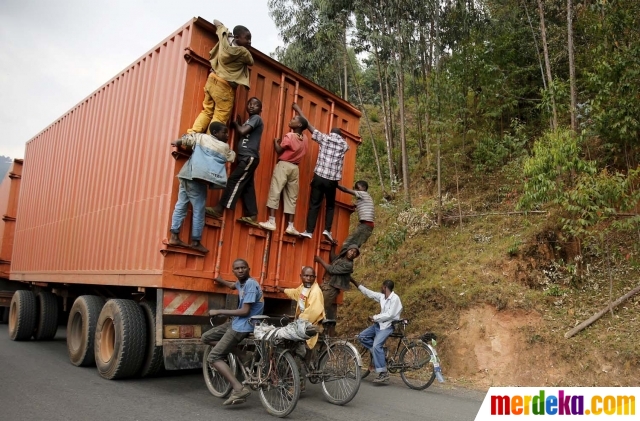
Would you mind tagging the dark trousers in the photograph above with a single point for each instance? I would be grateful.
(321, 188)
(358, 237)
(329, 294)
(240, 184)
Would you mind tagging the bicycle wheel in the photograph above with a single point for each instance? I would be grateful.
(217, 385)
(417, 367)
(341, 373)
(280, 394)
(367, 361)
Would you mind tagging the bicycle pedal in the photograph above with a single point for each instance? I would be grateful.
(238, 401)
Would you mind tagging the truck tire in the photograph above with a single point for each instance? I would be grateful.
(121, 339)
(81, 329)
(153, 359)
(22, 315)
(47, 322)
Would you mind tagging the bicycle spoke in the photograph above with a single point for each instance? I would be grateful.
(340, 374)
(280, 393)
(417, 367)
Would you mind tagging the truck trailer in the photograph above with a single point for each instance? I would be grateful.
(87, 213)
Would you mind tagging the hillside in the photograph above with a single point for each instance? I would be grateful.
(501, 291)
(532, 107)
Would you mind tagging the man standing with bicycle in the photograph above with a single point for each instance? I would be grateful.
(374, 337)
(229, 335)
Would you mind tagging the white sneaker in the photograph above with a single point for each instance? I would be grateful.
(292, 231)
(271, 226)
(328, 235)
(306, 235)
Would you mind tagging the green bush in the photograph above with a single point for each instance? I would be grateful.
(493, 152)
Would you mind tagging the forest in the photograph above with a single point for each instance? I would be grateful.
(524, 111)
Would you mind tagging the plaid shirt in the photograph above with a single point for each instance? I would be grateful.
(331, 156)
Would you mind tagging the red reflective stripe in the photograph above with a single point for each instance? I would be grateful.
(168, 298)
(202, 309)
(185, 304)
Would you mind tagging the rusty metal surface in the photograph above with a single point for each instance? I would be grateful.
(99, 184)
(9, 193)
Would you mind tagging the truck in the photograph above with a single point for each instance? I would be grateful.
(87, 213)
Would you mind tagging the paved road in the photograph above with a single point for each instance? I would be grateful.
(37, 382)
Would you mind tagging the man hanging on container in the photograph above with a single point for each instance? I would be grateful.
(229, 59)
(327, 173)
(339, 271)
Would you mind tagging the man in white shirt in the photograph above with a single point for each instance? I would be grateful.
(374, 337)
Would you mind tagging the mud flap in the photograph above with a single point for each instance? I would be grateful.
(182, 354)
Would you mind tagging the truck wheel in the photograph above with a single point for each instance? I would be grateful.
(47, 322)
(121, 339)
(153, 359)
(22, 315)
(81, 329)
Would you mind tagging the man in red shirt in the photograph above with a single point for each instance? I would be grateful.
(286, 175)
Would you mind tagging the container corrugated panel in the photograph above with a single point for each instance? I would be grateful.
(97, 182)
(9, 193)
(99, 195)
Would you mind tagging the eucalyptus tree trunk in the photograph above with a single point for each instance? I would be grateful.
(572, 67)
(545, 49)
(387, 129)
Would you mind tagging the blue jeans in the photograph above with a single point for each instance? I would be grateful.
(196, 193)
(373, 338)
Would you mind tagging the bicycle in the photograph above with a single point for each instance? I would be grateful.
(335, 363)
(266, 367)
(415, 358)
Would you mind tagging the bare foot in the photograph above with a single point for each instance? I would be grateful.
(175, 241)
(196, 245)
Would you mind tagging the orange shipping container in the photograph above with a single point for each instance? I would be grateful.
(9, 193)
(99, 185)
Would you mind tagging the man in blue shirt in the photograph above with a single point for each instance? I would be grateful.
(228, 335)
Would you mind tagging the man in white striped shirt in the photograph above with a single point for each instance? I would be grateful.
(374, 337)
(366, 211)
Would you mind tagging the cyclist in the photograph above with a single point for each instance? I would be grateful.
(228, 335)
(310, 307)
(374, 337)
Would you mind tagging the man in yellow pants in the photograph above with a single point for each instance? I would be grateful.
(229, 59)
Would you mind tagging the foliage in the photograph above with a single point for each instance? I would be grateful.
(553, 168)
(491, 153)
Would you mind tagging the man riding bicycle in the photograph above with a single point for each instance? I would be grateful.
(374, 337)
(229, 335)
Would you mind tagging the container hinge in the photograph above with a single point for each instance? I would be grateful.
(192, 55)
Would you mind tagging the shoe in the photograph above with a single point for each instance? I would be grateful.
(382, 378)
(238, 397)
(306, 235)
(271, 226)
(292, 231)
(212, 212)
(328, 235)
(249, 221)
